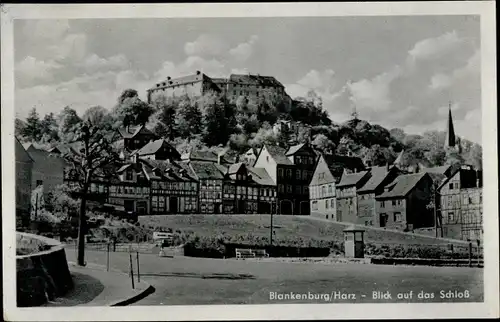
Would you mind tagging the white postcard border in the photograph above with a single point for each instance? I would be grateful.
(490, 307)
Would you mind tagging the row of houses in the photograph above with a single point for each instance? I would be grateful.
(153, 178)
(390, 196)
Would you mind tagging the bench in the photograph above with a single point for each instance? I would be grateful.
(260, 253)
(244, 253)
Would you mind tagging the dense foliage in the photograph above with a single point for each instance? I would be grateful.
(211, 121)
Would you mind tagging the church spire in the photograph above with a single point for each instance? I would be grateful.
(450, 141)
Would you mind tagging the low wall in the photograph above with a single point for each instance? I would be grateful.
(42, 270)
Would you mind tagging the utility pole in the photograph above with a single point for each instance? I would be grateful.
(271, 235)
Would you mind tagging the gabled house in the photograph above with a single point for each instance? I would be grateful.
(129, 189)
(48, 169)
(267, 190)
(157, 150)
(24, 168)
(174, 189)
(210, 179)
(240, 194)
(379, 177)
(135, 137)
(346, 196)
(404, 203)
(322, 191)
(461, 204)
(291, 170)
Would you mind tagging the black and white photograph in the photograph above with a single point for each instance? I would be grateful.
(223, 158)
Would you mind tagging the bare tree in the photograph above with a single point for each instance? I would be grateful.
(89, 153)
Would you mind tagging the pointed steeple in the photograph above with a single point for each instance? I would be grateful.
(450, 141)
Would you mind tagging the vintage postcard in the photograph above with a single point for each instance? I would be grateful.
(249, 161)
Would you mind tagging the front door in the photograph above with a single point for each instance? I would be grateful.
(173, 205)
(383, 220)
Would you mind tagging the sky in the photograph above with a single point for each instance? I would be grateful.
(396, 71)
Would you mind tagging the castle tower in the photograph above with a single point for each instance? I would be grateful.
(450, 140)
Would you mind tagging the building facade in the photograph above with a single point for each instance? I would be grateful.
(378, 178)
(322, 191)
(24, 168)
(253, 87)
(461, 204)
(135, 137)
(404, 203)
(47, 170)
(241, 194)
(210, 179)
(267, 199)
(292, 171)
(346, 196)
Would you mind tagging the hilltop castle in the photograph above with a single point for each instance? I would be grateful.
(253, 87)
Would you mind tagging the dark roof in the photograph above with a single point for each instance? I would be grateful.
(132, 131)
(293, 149)
(350, 179)
(197, 155)
(337, 164)
(170, 170)
(468, 178)
(377, 176)
(21, 150)
(278, 154)
(260, 176)
(206, 170)
(234, 168)
(439, 170)
(402, 185)
(255, 80)
(38, 155)
(193, 78)
(153, 147)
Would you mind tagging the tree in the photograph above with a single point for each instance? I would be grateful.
(188, 118)
(165, 116)
(91, 151)
(131, 110)
(19, 129)
(49, 128)
(67, 119)
(323, 144)
(33, 129)
(375, 156)
(216, 125)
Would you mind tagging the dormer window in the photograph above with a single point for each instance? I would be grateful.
(129, 176)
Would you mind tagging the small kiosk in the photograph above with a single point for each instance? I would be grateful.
(354, 245)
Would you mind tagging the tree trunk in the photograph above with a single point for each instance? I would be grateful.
(81, 227)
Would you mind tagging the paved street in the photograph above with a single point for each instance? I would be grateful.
(186, 280)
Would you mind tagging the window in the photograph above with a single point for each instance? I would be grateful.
(451, 186)
(129, 176)
(332, 203)
(323, 191)
(297, 174)
(314, 205)
(280, 173)
(311, 161)
(382, 204)
(298, 189)
(306, 190)
(466, 200)
(330, 189)
(398, 217)
(289, 173)
(394, 202)
(267, 158)
(289, 188)
(281, 188)
(320, 176)
(39, 183)
(456, 185)
(326, 204)
(304, 175)
(451, 217)
(298, 159)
